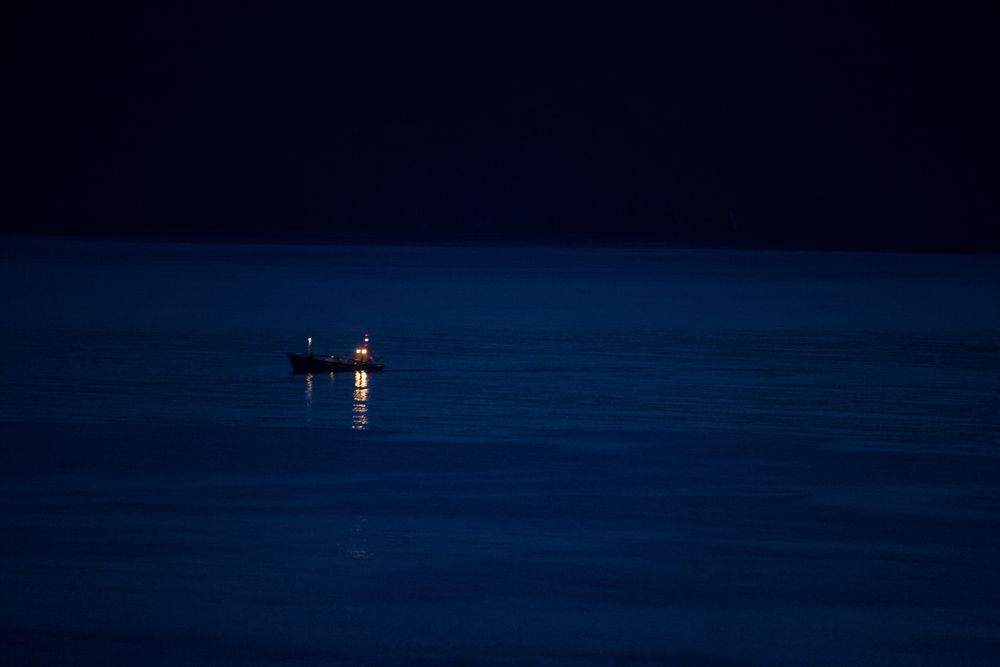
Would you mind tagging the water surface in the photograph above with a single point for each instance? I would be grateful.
(574, 456)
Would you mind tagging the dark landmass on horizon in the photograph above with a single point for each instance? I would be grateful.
(833, 127)
(395, 240)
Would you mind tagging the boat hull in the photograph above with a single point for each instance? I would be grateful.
(303, 363)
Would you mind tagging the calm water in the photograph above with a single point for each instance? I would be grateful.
(588, 455)
(867, 349)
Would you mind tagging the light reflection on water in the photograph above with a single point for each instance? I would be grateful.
(357, 543)
(360, 421)
(359, 407)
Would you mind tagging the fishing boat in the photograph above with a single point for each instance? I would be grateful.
(363, 360)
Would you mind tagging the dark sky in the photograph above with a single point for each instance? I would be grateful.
(812, 125)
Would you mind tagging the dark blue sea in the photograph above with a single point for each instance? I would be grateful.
(573, 456)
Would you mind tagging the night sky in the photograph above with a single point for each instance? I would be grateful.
(788, 125)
